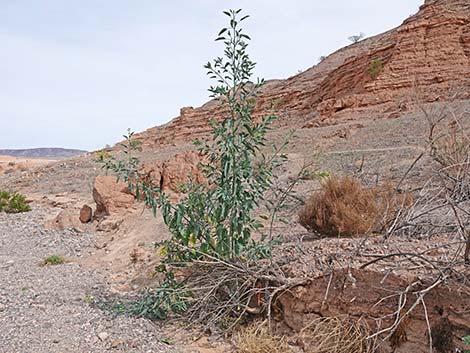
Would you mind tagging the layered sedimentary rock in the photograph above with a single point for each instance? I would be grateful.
(425, 59)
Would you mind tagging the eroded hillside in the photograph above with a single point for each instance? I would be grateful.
(426, 59)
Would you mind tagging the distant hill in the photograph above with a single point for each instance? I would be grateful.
(42, 152)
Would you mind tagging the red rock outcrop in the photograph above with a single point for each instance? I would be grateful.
(428, 56)
(174, 172)
(112, 197)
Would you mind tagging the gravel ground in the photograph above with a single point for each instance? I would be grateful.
(45, 309)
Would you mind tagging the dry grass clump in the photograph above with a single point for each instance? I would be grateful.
(323, 335)
(256, 338)
(394, 207)
(326, 335)
(343, 207)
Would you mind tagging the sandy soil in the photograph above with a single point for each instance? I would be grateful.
(47, 309)
(9, 164)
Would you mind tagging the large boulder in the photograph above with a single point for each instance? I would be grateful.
(112, 197)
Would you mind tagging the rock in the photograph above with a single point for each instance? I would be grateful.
(176, 171)
(103, 336)
(109, 224)
(186, 112)
(65, 219)
(111, 197)
(86, 214)
(116, 343)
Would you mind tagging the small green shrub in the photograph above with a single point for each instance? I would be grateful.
(466, 341)
(102, 155)
(13, 203)
(357, 37)
(4, 199)
(53, 260)
(309, 174)
(18, 203)
(376, 66)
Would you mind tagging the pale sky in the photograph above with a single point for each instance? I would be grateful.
(77, 74)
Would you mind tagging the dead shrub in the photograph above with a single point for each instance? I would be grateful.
(343, 207)
(256, 338)
(449, 144)
(394, 207)
(451, 149)
(325, 335)
(448, 136)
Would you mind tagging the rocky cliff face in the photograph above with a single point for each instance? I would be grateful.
(425, 59)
